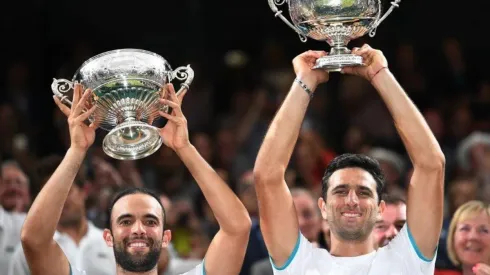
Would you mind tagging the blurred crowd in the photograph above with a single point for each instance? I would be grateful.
(227, 122)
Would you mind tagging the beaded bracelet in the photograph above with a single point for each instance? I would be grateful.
(303, 85)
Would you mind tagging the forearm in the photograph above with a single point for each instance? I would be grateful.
(230, 213)
(42, 219)
(279, 142)
(420, 143)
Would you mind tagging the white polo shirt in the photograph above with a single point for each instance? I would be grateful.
(400, 257)
(10, 227)
(92, 254)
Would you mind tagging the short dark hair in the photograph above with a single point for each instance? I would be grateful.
(393, 199)
(364, 162)
(130, 191)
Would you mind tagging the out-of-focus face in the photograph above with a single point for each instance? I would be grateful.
(14, 189)
(472, 240)
(137, 232)
(351, 208)
(202, 142)
(74, 207)
(389, 223)
(460, 192)
(308, 216)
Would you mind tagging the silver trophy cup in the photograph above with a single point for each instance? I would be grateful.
(335, 21)
(127, 85)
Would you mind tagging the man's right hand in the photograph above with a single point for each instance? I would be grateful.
(303, 67)
(82, 136)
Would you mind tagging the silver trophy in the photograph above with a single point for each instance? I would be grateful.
(127, 85)
(335, 21)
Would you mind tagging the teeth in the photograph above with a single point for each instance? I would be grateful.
(351, 215)
(137, 244)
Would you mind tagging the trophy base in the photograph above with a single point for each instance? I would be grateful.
(132, 140)
(335, 63)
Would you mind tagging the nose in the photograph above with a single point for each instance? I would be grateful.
(391, 232)
(473, 234)
(138, 228)
(352, 200)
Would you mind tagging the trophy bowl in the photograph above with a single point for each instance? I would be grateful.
(127, 85)
(336, 22)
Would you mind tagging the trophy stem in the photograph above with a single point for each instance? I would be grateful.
(339, 48)
(340, 56)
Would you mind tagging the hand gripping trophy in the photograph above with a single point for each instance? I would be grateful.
(336, 22)
(127, 85)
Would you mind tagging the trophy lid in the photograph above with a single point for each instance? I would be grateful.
(123, 64)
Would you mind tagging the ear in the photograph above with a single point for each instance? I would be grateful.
(108, 238)
(167, 237)
(381, 207)
(323, 207)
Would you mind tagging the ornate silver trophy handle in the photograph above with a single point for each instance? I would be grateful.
(183, 73)
(60, 87)
(278, 13)
(394, 5)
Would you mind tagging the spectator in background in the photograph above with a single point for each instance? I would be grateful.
(170, 262)
(82, 242)
(14, 188)
(391, 220)
(10, 226)
(468, 241)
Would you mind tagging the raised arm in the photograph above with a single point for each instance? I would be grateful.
(43, 254)
(425, 192)
(278, 219)
(227, 250)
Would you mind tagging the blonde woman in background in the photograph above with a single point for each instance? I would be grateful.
(468, 242)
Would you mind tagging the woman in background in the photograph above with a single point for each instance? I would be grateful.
(468, 241)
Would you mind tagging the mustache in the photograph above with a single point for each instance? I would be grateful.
(350, 209)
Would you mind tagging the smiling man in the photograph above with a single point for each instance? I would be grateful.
(351, 187)
(137, 218)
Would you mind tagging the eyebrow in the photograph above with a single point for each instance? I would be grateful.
(147, 216)
(347, 186)
(151, 216)
(124, 216)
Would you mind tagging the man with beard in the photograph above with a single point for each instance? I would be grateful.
(82, 242)
(351, 187)
(391, 220)
(136, 230)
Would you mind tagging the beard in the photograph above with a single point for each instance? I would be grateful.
(73, 219)
(137, 262)
(360, 231)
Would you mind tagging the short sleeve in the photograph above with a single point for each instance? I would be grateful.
(301, 255)
(404, 245)
(198, 270)
(18, 263)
